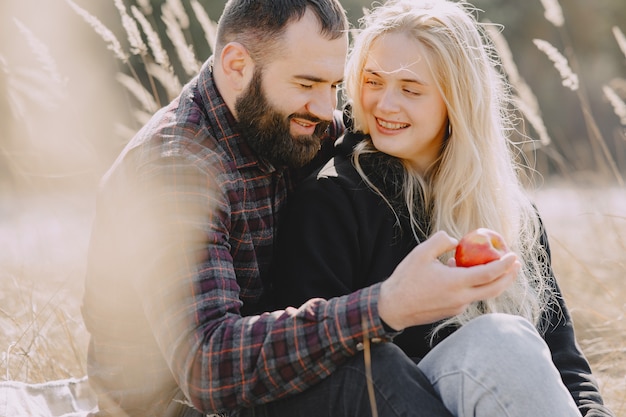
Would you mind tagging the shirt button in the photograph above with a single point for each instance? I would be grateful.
(360, 346)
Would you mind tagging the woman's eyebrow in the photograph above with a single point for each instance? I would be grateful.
(377, 73)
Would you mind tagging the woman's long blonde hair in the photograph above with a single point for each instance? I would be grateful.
(475, 182)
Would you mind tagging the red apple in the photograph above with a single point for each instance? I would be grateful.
(479, 247)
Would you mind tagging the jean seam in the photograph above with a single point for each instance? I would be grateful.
(467, 375)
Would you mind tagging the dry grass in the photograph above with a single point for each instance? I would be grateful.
(587, 229)
(41, 331)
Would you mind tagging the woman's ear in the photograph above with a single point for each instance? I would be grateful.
(237, 66)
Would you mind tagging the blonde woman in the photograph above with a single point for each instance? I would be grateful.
(427, 151)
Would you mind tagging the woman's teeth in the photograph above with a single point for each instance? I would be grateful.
(390, 125)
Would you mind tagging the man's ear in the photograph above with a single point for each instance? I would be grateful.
(237, 66)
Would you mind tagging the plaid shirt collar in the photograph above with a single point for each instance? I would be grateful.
(223, 125)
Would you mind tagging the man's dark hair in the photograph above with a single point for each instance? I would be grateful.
(259, 24)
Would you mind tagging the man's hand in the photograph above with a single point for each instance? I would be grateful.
(423, 290)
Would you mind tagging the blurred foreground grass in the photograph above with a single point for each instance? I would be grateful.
(45, 237)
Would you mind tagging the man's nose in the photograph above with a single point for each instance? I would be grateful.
(323, 104)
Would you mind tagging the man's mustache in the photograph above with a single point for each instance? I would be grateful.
(308, 117)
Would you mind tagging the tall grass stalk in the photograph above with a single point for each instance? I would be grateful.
(185, 51)
(367, 358)
(109, 38)
(208, 26)
(524, 96)
(526, 102)
(42, 54)
(155, 60)
(160, 55)
(620, 38)
(616, 101)
(602, 154)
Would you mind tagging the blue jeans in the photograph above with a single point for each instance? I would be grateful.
(401, 390)
(500, 367)
(495, 366)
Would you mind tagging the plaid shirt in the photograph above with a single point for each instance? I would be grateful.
(178, 278)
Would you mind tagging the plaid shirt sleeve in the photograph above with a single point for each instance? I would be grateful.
(192, 299)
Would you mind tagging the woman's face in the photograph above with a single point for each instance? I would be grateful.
(404, 111)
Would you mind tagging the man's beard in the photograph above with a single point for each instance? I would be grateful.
(267, 130)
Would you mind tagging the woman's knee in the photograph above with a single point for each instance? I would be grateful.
(492, 358)
(509, 333)
(499, 322)
(500, 340)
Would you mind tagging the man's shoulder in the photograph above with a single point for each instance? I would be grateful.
(169, 142)
(161, 151)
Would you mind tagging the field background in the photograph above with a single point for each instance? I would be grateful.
(65, 112)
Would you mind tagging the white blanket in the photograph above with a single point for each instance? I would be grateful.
(62, 398)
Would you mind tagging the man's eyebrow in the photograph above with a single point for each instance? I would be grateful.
(406, 80)
(314, 79)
